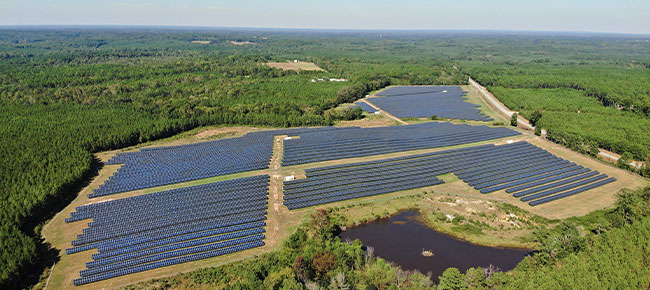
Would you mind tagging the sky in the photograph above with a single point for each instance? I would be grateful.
(614, 16)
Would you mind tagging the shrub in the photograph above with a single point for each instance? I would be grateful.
(513, 119)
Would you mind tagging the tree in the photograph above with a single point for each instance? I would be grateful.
(513, 119)
(535, 117)
(475, 277)
(323, 262)
(301, 269)
(452, 279)
(631, 206)
(338, 282)
(565, 239)
(624, 161)
(321, 224)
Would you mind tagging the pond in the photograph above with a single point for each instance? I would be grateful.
(402, 238)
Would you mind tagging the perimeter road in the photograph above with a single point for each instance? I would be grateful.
(524, 124)
(500, 107)
(389, 115)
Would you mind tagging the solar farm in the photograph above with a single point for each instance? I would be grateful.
(423, 102)
(530, 172)
(165, 206)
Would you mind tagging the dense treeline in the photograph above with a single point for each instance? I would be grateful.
(45, 151)
(584, 103)
(604, 250)
(581, 122)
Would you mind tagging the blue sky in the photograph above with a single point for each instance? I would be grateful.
(623, 16)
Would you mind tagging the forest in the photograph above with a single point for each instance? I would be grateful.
(67, 93)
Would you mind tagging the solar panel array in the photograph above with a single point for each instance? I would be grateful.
(365, 107)
(521, 168)
(418, 102)
(158, 166)
(316, 146)
(164, 228)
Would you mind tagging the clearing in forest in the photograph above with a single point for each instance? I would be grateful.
(296, 66)
(453, 196)
(234, 42)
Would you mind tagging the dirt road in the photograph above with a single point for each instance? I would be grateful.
(500, 107)
(389, 115)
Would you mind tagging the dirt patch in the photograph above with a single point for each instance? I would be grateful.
(241, 42)
(222, 132)
(201, 41)
(369, 120)
(296, 66)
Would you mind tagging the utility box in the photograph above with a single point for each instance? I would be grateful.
(289, 178)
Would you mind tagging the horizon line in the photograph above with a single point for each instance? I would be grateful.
(256, 28)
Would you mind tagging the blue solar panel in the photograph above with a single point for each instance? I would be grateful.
(356, 142)
(488, 167)
(174, 226)
(366, 107)
(418, 102)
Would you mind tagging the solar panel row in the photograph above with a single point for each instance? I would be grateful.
(169, 227)
(488, 168)
(364, 106)
(418, 102)
(158, 166)
(355, 142)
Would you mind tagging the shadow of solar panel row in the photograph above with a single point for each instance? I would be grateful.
(418, 102)
(488, 168)
(164, 263)
(356, 142)
(163, 228)
(158, 166)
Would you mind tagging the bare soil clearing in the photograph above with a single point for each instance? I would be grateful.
(201, 41)
(241, 42)
(296, 66)
(369, 120)
(389, 115)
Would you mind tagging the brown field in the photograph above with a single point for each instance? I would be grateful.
(241, 42)
(201, 41)
(296, 66)
(453, 197)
